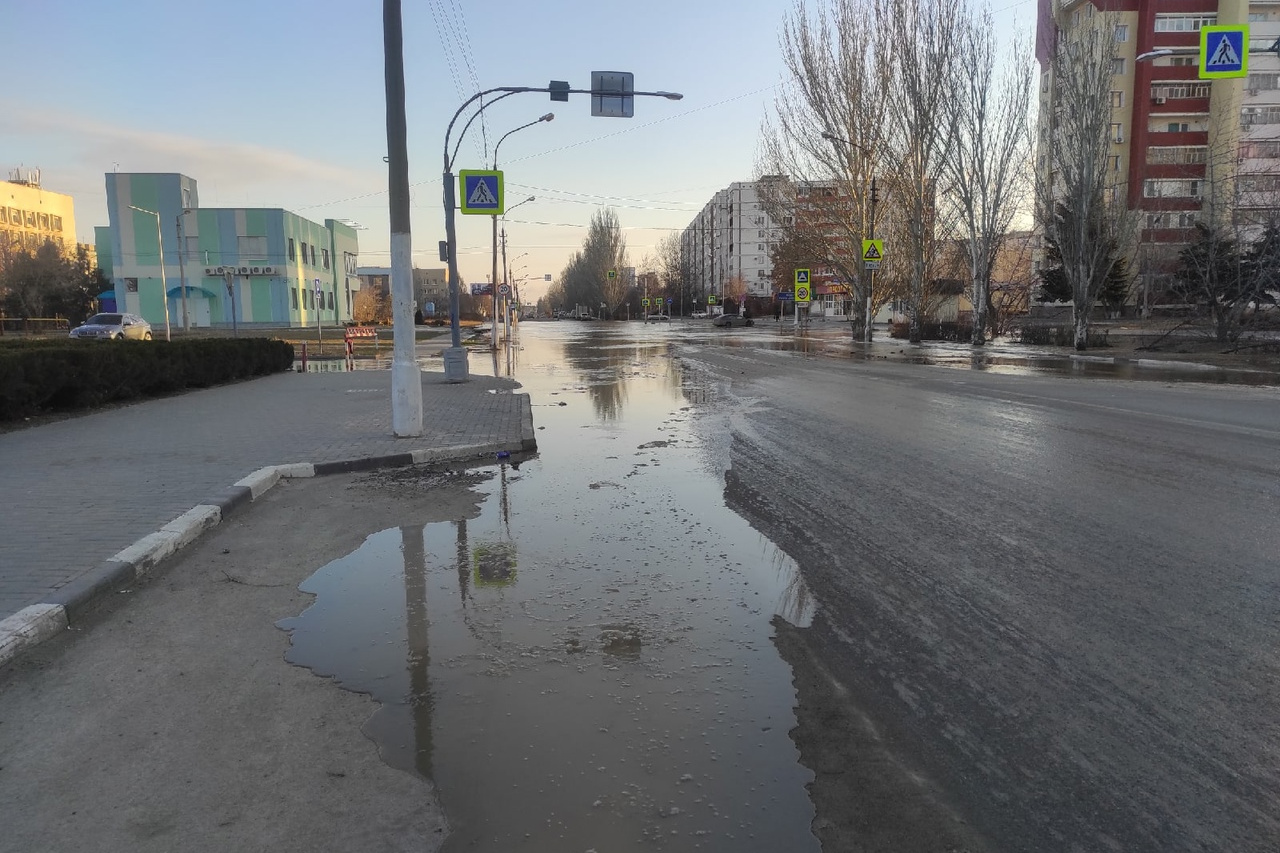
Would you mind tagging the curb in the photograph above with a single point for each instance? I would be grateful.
(36, 623)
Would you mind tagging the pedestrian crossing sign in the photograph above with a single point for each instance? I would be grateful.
(802, 277)
(481, 192)
(1224, 51)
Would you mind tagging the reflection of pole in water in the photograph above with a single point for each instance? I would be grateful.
(504, 499)
(419, 658)
(464, 562)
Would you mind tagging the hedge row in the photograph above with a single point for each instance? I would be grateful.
(62, 375)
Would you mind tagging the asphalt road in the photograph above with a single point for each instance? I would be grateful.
(1045, 603)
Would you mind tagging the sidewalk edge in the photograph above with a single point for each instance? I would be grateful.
(57, 610)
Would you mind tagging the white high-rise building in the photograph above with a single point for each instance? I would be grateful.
(729, 240)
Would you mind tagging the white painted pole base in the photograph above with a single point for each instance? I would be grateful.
(455, 364)
(406, 399)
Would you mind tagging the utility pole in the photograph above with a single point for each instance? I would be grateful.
(406, 380)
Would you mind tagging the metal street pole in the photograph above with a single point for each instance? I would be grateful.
(164, 287)
(493, 337)
(182, 269)
(406, 378)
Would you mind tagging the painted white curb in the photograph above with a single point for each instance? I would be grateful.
(29, 627)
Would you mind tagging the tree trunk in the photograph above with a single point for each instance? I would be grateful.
(980, 300)
(1082, 329)
(914, 333)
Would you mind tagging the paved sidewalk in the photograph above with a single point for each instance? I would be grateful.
(78, 493)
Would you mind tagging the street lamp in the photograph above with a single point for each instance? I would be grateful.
(182, 269)
(455, 357)
(163, 286)
(493, 338)
(871, 230)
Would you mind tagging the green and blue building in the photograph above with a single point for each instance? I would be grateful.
(262, 267)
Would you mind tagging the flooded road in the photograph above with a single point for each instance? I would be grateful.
(585, 664)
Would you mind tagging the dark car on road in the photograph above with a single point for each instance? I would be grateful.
(727, 320)
(113, 327)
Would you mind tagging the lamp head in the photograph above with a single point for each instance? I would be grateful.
(548, 117)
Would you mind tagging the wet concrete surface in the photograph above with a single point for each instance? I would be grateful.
(586, 665)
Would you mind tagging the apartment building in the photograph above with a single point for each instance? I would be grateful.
(222, 266)
(1180, 144)
(726, 248)
(30, 215)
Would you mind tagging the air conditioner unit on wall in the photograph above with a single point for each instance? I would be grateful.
(244, 270)
(210, 270)
(1157, 100)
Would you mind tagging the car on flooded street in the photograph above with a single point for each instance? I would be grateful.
(727, 320)
(113, 327)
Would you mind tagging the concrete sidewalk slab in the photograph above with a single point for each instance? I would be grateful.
(94, 502)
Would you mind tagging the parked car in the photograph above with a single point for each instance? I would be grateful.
(657, 318)
(699, 315)
(727, 320)
(113, 327)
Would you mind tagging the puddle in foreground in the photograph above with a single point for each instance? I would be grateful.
(587, 664)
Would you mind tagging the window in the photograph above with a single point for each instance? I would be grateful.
(313, 254)
(1187, 90)
(324, 257)
(293, 297)
(1178, 154)
(4, 215)
(1263, 82)
(251, 247)
(1177, 127)
(1166, 188)
(1117, 133)
(1259, 183)
(1115, 163)
(44, 221)
(1259, 17)
(1117, 65)
(30, 217)
(1259, 115)
(1117, 99)
(1122, 32)
(1182, 60)
(1172, 23)
(292, 255)
(131, 285)
(330, 300)
(55, 222)
(1259, 149)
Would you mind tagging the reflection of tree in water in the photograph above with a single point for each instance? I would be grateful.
(605, 360)
(419, 658)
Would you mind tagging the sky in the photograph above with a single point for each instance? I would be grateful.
(281, 103)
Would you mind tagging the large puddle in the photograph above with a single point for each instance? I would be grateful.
(586, 663)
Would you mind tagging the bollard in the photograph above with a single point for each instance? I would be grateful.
(304, 356)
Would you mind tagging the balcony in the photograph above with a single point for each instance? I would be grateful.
(1179, 106)
(1186, 137)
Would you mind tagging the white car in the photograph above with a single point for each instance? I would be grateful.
(699, 315)
(113, 327)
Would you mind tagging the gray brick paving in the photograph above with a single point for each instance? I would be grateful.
(76, 492)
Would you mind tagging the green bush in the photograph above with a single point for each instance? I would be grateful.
(60, 375)
(1057, 336)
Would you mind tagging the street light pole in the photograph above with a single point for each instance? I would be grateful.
(164, 287)
(406, 378)
(455, 357)
(182, 269)
(493, 337)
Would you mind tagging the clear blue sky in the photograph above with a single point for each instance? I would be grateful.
(280, 103)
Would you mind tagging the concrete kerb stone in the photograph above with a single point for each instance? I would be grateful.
(39, 622)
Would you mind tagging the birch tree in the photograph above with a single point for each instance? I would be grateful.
(991, 149)
(1081, 206)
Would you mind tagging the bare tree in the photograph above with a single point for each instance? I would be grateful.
(585, 279)
(991, 148)
(1082, 205)
(825, 135)
(921, 135)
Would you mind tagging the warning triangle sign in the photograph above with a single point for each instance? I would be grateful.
(871, 254)
(482, 196)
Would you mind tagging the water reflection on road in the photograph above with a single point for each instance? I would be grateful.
(585, 662)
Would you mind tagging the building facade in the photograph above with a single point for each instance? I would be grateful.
(726, 249)
(178, 264)
(1184, 149)
(30, 215)
(430, 286)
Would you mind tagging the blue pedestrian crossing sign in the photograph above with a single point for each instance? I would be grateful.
(1224, 51)
(481, 191)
